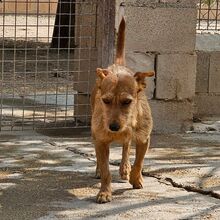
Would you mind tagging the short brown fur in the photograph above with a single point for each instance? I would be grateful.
(121, 113)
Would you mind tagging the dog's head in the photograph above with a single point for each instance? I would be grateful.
(119, 90)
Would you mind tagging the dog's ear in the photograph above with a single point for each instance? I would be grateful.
(140, 78)
(102, 73)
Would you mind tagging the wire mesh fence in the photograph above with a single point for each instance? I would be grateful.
(48, 52)
(208, 16)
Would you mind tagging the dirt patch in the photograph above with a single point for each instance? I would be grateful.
(4, 174)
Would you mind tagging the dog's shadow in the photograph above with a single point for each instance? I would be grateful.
(117, 180)
(118, 192)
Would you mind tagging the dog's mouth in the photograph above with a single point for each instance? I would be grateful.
(114, 132)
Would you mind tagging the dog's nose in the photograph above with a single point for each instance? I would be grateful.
(114, 126)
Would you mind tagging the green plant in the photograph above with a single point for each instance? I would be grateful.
(208, 2)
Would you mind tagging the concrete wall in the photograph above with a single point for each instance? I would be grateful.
(208, 84)
(161, 35)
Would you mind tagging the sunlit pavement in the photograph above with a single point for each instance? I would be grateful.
(52, 177)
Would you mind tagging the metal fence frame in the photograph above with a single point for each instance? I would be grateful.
(43, 82)
(208, 18)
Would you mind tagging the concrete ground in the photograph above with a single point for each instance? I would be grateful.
(49, 176)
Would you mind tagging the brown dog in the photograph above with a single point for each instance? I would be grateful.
(120, 112)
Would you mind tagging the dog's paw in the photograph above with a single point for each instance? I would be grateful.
(136, 180)
(104, 197)
(125, 169)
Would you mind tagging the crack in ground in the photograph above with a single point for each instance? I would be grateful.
(166, 180)
(90, 156)
(188, 188)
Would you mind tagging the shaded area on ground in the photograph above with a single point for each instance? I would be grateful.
(49, 177)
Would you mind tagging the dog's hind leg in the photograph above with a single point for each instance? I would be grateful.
(102, 154)
(125, 166)
(136, 179)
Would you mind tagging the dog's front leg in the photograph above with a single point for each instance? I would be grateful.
(125, 167)
(102, 155)
(97, 172)
(136, 179)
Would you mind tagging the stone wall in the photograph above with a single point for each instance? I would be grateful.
(208, 84)
(161, 35)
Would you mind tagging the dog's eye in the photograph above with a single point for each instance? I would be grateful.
(126, 102)
(106, 101)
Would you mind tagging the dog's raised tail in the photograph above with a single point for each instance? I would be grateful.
(120, 51)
